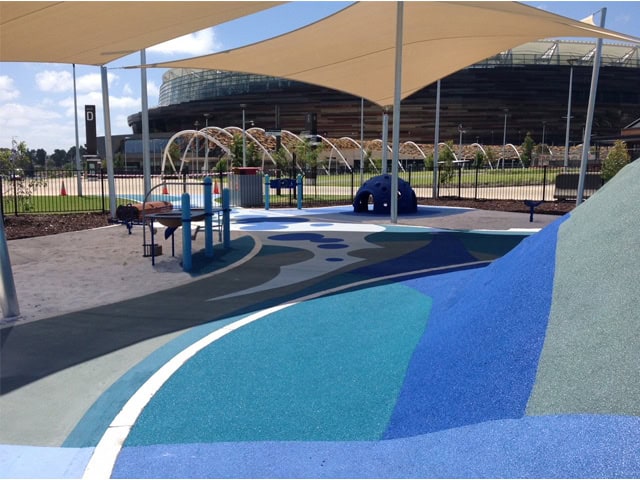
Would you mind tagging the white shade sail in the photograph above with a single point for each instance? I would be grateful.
(354, 50)
(96, 33)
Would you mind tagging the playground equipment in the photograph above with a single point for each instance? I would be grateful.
(379, 190)
(183, 217)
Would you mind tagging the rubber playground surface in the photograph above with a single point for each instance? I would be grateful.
(324, 346)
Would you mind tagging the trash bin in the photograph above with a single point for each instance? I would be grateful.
(246, 187)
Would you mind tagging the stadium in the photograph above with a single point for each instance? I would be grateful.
(491, 103)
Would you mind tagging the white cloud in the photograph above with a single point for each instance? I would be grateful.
(7, 90)
(194, 44)
(93, 81)
(55, 81)
(153, 91)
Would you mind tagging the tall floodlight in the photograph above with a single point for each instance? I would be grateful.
(590, 110)
(566, 138)
(244, 138)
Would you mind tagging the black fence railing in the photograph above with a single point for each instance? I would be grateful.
(69, 191)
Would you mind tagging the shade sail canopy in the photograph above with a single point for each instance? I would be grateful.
(354, 50)
(96, 33)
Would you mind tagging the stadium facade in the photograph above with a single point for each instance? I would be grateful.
(517, 91)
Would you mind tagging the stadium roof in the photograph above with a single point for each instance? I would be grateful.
(354, 50)
(104, 31)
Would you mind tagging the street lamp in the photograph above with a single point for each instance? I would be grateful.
(504, 135)
(244, 137)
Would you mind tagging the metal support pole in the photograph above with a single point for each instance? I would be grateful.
(566, 138)
(361, 141)
(385, 139)
(396, 114)
(8, 295)
(244, 139)
(75, 116)
(107, 142)
(146, 158)
(586, 143)
(436, 141)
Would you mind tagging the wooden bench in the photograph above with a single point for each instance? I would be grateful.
(567, 185)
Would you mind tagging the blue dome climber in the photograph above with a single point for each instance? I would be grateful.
(379, 190)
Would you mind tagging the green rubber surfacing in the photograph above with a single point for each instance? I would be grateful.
(295, 375)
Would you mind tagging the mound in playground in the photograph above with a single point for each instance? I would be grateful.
(526, 368)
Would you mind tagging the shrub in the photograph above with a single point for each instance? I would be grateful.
(617, 158)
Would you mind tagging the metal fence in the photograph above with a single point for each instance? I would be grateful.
(71, 191)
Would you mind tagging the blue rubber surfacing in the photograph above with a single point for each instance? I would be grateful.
(294, 375)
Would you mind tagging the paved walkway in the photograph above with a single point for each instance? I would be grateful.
(299, 352)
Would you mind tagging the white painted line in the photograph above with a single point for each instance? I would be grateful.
(106, 452)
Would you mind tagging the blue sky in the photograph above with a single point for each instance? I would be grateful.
(36, 99)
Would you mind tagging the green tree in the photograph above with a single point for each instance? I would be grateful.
(617, 158)
(307, 155)
(58, 157)
(445, 162)
(527, 149)
(250, 154)
(478, 159)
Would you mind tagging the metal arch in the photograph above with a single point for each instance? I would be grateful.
(517, 153)
(484, 153)
(254, 140)
(193, 134)
(359, 146)
(333, 147)
(450, 149)
(281, 144)
(414, 144)
(388, 148)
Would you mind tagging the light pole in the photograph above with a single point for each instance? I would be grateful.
(504, 135)
(206, 145)
(461, 131)
(125, 153)
(566, 137)
(244, 137)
